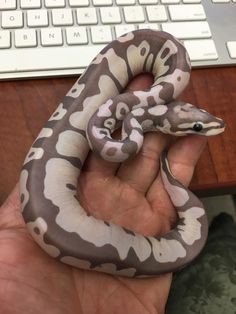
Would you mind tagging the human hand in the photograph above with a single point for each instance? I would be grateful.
(131, 195)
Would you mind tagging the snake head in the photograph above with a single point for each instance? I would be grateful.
(184, 118)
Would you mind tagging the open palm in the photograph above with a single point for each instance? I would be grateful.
(131, 195)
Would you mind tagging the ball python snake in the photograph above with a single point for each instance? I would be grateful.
(93, 108)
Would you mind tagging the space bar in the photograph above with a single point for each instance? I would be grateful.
(20, 60)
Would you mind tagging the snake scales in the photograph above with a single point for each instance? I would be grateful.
(93, 108)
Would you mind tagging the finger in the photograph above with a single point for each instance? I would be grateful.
(140, 82)
(95, 163)
(183, 156)
(10, 215)
(141, 171)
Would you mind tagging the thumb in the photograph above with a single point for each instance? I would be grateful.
(10, 214)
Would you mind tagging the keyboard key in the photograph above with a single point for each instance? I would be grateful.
(7, 4)
(156, 13)
(125, 2)
(192, 1)
(5, 39)
(231, 45)
(12, 19)
(37, 18)
(102, 2)
(201, 49)
(110, 15)
(134, 14)
(25, 38)
(101, 34)
(51, 36)
(54, 3)
(30, 4)
(123, 29)
(148, 1)
(47, 58)
(78, 3)
(149, 26)
(183, 12)
(187, 30)
(62, 17)
(76, 35)
(86, 16)
(170, 1)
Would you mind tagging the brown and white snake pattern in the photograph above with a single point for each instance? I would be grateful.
(93, 108)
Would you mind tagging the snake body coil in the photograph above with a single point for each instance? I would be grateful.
(89, 113)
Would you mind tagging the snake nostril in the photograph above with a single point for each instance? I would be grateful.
(222, 124)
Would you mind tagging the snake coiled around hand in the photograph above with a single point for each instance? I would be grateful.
(94, 107)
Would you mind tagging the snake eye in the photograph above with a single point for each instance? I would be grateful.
(197, 127)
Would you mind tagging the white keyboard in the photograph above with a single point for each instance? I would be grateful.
(60, 37)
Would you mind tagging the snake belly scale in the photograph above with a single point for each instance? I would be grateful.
(93, 108)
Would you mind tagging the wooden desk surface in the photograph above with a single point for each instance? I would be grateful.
(26, 105)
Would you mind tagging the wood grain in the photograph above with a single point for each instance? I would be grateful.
(26, 105)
